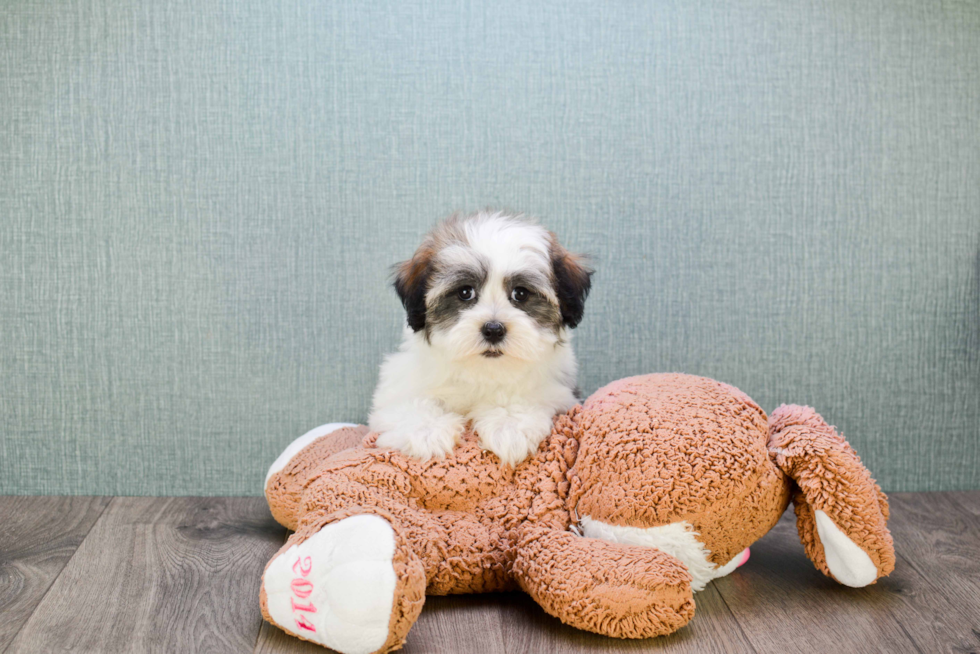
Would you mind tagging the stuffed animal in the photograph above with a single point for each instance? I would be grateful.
(643, 494)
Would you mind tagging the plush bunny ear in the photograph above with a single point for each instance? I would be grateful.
(841, 513)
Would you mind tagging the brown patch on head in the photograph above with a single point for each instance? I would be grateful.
(412, 277)
(411, 281)
(572, 280)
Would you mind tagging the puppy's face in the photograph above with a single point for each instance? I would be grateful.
(492, 286)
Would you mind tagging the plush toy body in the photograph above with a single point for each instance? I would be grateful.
(654, 486)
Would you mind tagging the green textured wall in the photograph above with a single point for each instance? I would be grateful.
(199, 200)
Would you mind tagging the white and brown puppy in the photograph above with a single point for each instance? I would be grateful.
(490, 298)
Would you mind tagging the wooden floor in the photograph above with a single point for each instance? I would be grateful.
(96, 574)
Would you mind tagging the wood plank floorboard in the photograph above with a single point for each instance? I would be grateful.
(182, 575)
(784, 604)
(459, 624)
(937, 538)
(468, 624)
(928, 604)
(38, 535)
(529, 630)
(160, 575)
(513, 623)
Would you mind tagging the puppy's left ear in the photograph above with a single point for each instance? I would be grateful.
(411, 283)
(573, 279)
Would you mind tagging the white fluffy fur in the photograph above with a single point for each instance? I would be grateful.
(431, 388)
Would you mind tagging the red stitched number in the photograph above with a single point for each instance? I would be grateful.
(302, 588)
(304, 565)
(303, 624)
(309, 608)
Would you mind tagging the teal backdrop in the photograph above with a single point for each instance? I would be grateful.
(200, 199)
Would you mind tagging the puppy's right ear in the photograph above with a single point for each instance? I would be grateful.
(412, 282)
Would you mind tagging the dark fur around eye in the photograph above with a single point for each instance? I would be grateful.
(443, 311)
(535, 304)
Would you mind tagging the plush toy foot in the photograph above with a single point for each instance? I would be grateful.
(841, 513)
(291, 470)
(678, 539)
(351, 586)
(624, 591)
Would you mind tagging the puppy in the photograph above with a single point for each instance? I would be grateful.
(490, 299)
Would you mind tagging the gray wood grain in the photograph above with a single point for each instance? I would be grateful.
(468, 624)
(160, 575)
(38, 535)
(937, 537)
(968, 501)
(182, 575)
(513, 623)
(273, 640)
(784, 605)
(460, 624)
(928, 604)
(528, 630)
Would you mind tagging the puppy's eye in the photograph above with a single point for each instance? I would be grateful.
(466, 293)
(520, 294)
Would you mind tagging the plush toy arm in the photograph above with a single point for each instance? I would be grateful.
(611, 589)
(841, 513)
(293, 468)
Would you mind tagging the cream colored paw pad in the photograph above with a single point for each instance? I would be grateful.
(849, 564)
(337, 587)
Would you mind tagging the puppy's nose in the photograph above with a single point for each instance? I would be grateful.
(493, 332)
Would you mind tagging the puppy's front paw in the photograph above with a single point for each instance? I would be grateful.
(422, 442)
(512, 436)
(423, 434)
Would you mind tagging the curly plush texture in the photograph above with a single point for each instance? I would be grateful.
(284, 489)
(672, 448)
(830, 478)
(647, 454)
(633, 592)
